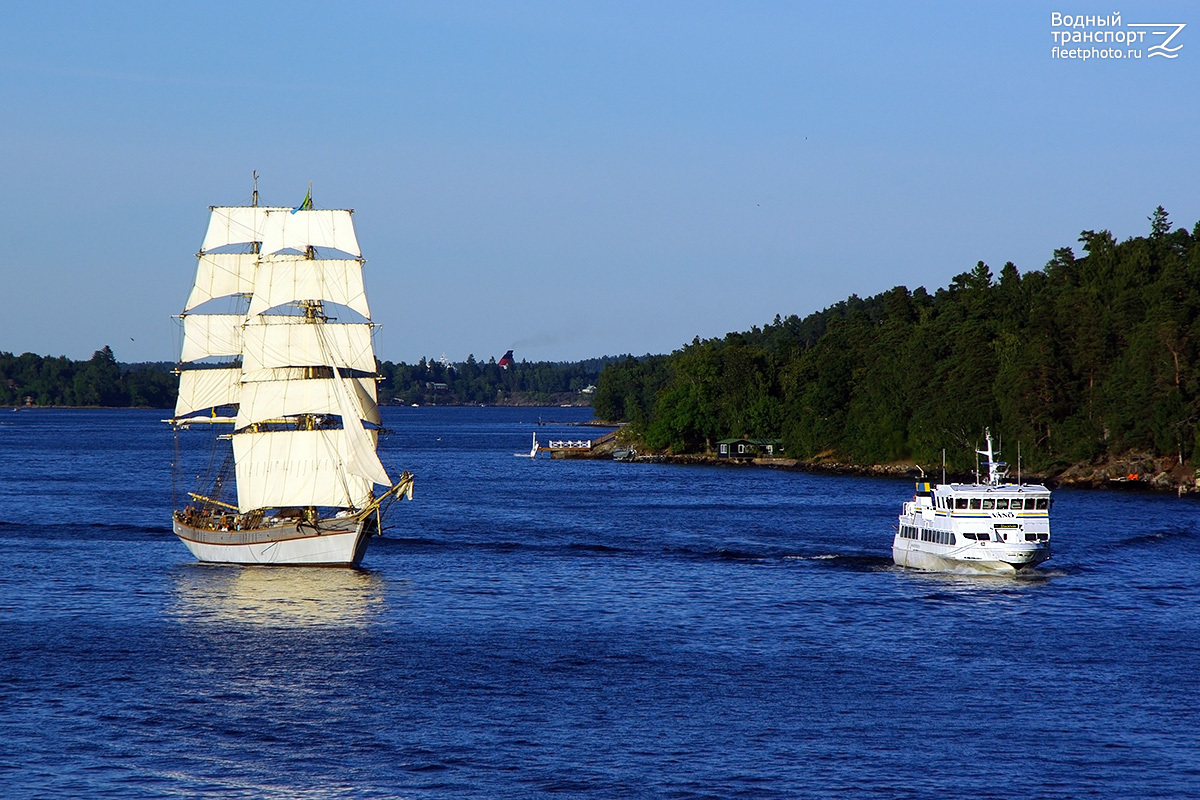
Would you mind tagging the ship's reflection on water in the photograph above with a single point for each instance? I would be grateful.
(275, 596)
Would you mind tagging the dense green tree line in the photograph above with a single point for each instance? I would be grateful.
(99, 381)
(430, 382)
(1096, 354)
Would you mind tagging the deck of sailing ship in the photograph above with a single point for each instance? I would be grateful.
(296, 383)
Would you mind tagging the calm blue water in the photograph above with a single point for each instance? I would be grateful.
(577, 629)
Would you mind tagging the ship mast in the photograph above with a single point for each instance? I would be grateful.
(995, 468)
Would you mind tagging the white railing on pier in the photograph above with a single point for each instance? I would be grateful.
(569, 444)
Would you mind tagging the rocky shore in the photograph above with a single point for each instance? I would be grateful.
(1133, 471)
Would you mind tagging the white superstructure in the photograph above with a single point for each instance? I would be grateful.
(989, 526)
(296, 383)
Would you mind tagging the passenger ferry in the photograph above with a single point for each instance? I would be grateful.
(995, 526)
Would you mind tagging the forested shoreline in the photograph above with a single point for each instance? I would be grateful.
(1093, 359)
(101, 381)
(34, 380)
(1096, 356)
(472, 382)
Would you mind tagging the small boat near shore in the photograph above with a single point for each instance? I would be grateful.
(993, 527)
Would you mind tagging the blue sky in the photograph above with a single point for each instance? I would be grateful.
(570, 179)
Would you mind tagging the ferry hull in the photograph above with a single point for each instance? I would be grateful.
(332, 542)
(1009, 562)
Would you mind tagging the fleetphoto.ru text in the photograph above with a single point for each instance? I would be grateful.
(1089, 36)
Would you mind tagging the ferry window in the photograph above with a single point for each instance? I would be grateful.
(1041, 504)
(1001, 502)
(1015, 504)
(988, 503)
(952, 539)
(960, 502)
(975, 502)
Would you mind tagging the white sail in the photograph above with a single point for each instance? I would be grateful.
(272, 341)
(261, 401)
(295, 468)
(206, 388)
(220, 275)
(360, 457)
(235, 225)
(299, 230)
(285, 279)
(206, 335)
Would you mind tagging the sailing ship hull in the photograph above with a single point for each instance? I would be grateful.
(337, 542)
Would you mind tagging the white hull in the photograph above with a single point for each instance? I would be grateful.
(1000, 559)
(342, 544)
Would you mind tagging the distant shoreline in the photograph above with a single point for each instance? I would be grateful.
(169, 409)
(1137, 471)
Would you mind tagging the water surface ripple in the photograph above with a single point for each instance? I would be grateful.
(577, 629)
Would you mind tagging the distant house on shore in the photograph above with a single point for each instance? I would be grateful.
(746, 448)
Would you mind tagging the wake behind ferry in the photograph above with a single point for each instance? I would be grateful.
(995, 526)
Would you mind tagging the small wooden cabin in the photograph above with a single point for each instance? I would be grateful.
(746, 448)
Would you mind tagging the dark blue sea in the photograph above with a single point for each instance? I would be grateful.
(578, 629)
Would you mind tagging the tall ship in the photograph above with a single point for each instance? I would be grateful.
(988, 526)
(277, 364)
